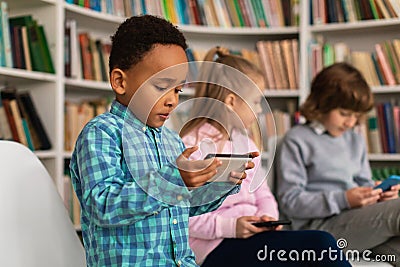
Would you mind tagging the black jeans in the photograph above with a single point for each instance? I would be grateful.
(278, 248)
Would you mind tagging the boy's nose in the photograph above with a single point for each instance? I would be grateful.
(171, 99)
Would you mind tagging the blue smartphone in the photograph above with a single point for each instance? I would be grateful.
(388, 183)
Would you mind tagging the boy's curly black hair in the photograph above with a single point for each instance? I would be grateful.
(137, 35)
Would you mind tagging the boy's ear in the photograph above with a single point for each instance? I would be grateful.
(117, 81)
(230, 101)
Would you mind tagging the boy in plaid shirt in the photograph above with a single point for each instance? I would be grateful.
(135, 200)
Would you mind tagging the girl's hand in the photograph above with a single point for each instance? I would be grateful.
(393, 193)
(195, 173)
(245, 228)
(362, 196)
(236, 177)
(266, 218)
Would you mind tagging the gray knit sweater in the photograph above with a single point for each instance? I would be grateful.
(314, 171)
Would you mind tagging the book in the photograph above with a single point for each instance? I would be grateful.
(38, 46)
(384, 63)
(86, 56)
(25, 46)
(287, 53)
(7, 60)
(389, 126)
(5, 131)
(36, 122)
(374, 139)
(17, 47)
(44, 48)
(67, 49)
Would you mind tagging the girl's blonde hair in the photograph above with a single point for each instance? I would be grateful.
(203, 114)
(337, 86)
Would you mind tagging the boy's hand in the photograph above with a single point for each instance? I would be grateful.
(196, 172)
(237, 178)
(362, 196)
(393, 193)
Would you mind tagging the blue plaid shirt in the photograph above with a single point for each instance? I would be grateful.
(122, 223)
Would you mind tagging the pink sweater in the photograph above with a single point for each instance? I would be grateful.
(207, 231)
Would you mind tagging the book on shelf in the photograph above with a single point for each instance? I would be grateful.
(86, 56)
(10, 119)
(72, 60)
(383, 61)
(5, 131)
(393, 58)
(39, 134)
(39, 52)
(7, 97)
(17, 47)
(25, 48)
(373, 135)
(6, 59)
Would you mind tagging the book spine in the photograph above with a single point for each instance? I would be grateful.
(6, 34)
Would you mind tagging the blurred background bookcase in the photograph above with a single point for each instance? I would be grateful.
(71, 95)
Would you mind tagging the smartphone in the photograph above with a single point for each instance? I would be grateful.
(388, 183)
(241, 156)
(272, 223)
(230, 163)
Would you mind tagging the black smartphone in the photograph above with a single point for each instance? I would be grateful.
(272, 223)
(240, 156)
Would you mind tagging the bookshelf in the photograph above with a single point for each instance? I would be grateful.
(51, 91)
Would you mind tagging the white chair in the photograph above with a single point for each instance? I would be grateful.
(35, 229)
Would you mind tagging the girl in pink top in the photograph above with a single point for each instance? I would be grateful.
(226, 236)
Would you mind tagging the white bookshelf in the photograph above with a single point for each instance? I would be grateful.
(49, 91)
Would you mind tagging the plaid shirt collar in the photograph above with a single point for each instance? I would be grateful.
(123, 112)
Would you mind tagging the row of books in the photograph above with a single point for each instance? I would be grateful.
(219, 13)
(381, 173)
(23, 43)
(85, 56)
(20, 121)
(333, 11)
(381, 67)
(382, 129)
(280, 63)
(279, 60)
(76, 116)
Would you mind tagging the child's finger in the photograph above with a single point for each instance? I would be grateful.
(249, 165)
(189, 151)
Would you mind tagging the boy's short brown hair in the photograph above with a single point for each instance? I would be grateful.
(337, 86)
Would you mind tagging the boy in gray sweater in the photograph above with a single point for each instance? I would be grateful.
(324, 177)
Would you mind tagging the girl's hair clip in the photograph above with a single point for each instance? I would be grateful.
(221, 52)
